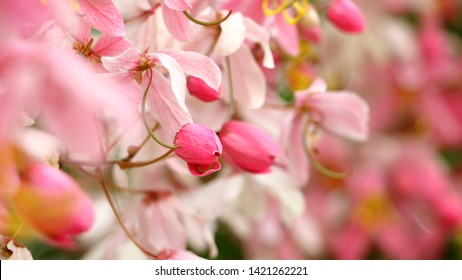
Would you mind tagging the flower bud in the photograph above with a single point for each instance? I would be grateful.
(248, 147)
(346, 16)
(200, 147)
(53, 204)
(198, 88)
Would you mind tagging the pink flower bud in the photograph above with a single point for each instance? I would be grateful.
(346, 16)
(200, 147)
(52, 203)
(198, 88)
(248, 147)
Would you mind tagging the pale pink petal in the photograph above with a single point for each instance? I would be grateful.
(83, 31)
(343, 113)
(177, 78)
(232, 35)
(110, 45)
(297, 159)
(178, 5)
(104, 16)
(302, 96)
(123, 62)
(165, 107)
(287, 36)
(177, 23)
(249, 84)
(260, 35)
(197, 169)
(197, 65)
(160, 226)
(184, 255)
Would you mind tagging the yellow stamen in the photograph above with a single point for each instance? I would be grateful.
(301, 8)
(286, 7)
(272, 12)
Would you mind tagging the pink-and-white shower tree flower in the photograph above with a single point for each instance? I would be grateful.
(343, 113)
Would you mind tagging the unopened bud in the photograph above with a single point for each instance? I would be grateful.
(346, 16)
(201, 90)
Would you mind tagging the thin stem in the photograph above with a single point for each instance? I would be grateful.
(18, 231)
(232, 105)
(114, 185)
(319, 167)
(119, 218)
(205, 23)
(143, 112)
(126, 164)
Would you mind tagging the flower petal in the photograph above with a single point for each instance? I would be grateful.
(249, 84)
(260, 35)
(178, 5)
(296, 156)
(104, 16)
(343, 113)
(111, 45)
(177, 23)
(197, 65)
(232, 35)
(165, 107)
(177, 78)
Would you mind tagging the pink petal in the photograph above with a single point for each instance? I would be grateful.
(177, 78)
(248, 80)
(297, 159)
(104, 16)
(123, 62)
(177, 23)
(302, 96)
(83, 31)
(178, 5)
(344, 113)
(165, 107)
(287, 36)
(260, 35)
(232, 35)
(197, 169)
(197, 65)
(160, 226)
(110, 45)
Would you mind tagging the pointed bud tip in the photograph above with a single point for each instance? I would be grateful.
(346, 16)
(198, 88)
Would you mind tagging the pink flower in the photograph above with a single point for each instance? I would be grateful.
(166, 95)
(346, 16)
(248, 147)
(52, 203)
(200, 148)
(201, 90)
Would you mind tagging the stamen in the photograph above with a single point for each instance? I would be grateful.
(143, 112)
(272, 12)
(301, 9)
(204, 23)
(318, 166)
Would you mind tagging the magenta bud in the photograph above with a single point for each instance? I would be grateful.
(198, 88)
(52, 203)
(346, 16)
(248, 147)
(200, 147)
